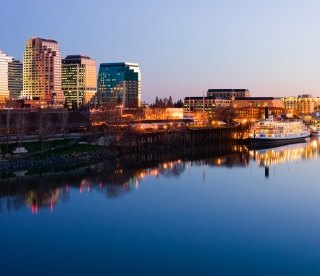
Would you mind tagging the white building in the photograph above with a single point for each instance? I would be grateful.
(4, 76)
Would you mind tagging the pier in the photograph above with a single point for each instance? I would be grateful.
(184, 138)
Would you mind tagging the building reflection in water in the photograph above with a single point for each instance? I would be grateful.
(114, 179)
(285, 154)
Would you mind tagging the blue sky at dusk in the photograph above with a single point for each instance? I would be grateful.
(182, 47)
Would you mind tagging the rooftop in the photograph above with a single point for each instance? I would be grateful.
(45, 39)
(77, 57)
(205, 98)
(257, 98)
(120, 64)
(227, 90)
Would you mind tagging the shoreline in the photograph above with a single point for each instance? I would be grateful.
(20, 166)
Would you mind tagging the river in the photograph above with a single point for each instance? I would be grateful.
(207, 212)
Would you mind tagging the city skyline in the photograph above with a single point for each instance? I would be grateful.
(269, 48)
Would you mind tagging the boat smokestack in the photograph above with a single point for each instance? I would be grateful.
(266, 113)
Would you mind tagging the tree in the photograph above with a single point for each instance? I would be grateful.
(164, 103)
(226, 114)
(44, 127)
(157, 102)
(178, 104)
(63, 117)
(161, 104)
(19, 119)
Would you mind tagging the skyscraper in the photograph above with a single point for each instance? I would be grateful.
(119, 83)
(15, 79)
(4, 73)
(79, 80)
(42, 71)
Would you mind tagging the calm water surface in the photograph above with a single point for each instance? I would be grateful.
(237, 212)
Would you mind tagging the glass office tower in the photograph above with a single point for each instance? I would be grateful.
(15, 79)
(4, 80)
(119, 83)
(79, 80)
(42, 71)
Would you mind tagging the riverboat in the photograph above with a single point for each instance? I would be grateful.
(269, 132)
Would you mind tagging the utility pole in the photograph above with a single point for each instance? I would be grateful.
(203, 107)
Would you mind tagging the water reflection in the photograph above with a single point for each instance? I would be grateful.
(114, 179)
(286, 154)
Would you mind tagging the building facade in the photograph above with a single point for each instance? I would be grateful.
(208, 104)
(42, 71)
(4, 77)
(79, 80)
(302, 105)
(228, 93)
(257, 112)
(15, 77)
(159, 113)
(119, 83)
(254, 107)
(257, 102)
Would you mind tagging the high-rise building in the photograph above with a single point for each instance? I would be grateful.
(42, 71)
(4, 79)
(79, 80)
(119, 83)
(15, 79)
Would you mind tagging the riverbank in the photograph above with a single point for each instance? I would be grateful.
(61, 156)
(53, 163)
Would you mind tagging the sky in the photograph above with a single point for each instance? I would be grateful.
(183, 47)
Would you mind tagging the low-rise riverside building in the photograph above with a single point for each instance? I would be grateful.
(254, 107)
(244, 107)
(163, 113)
(35, 103)
(228, 93)
(207, 104)
(240, 102)
(215, 98)
(257, 112)
(302, 104)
